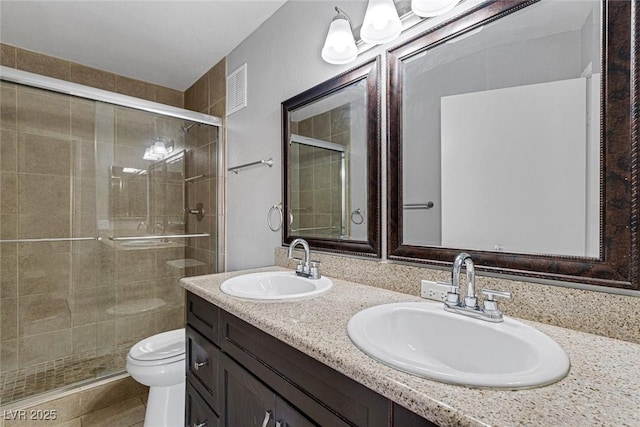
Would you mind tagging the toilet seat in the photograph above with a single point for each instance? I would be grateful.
(160, 349)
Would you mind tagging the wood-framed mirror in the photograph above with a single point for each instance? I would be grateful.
(511, 137)
(331, 163)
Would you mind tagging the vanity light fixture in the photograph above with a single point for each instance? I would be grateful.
(158, 150)
(340, 46)
(384, 20)
(431, 8)
(381, 22)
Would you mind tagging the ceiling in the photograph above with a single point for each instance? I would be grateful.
(169, 43)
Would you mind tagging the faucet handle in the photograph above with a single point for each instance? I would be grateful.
(490, 304)
(453, 297)
(314, 273)
(299, 266)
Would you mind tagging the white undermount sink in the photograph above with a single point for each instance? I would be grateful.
(422, 339)
(274, 285)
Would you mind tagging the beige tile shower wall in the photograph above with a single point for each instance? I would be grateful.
(138, 296)
(66, 298)
(25, 60)
(207, 95)
(599, 313)
(55, 297)
(41, 135)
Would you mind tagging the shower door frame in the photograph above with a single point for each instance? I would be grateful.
(61, 86)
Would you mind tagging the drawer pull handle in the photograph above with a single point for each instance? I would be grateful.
(267, 417)
(197, 365)
(202, 424)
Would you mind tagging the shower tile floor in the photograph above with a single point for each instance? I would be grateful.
(47, 376)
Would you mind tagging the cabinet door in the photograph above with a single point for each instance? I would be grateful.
(288, 416)
(198, 413)
(247, 402)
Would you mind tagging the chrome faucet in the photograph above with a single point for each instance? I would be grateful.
(490, 311)
(306, 267)
(471, 300)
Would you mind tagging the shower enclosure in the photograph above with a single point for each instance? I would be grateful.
(103, 208)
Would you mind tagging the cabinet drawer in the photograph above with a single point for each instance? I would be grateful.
(203, 316)
(203, 367)
(198, 413)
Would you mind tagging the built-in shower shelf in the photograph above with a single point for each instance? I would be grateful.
(185, 263)
(136, 307)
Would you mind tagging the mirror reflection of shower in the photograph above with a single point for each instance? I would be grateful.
(319, 203)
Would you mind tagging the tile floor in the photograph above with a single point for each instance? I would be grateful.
(120, 402)
(47, 376)
(128, 413)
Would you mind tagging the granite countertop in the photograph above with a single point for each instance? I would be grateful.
(602, 387)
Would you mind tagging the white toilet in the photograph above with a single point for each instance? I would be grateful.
(158, 362)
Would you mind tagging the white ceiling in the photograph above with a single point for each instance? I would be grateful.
(169, 43)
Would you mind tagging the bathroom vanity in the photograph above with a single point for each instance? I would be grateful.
(277, 364)
(241, 376)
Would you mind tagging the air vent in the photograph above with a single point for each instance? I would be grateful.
(237, 90)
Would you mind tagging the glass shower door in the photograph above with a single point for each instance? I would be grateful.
(92, 220)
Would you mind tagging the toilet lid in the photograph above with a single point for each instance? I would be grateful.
(159, 347)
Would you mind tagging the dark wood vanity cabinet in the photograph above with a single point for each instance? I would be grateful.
(258, 402)
(238, 376)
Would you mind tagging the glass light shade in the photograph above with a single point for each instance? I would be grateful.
(158, 150)
(339, 47)
(150, 155)
(381, 22)
(431, 8)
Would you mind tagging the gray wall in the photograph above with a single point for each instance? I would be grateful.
(283, 59)
(494, 58)
(507, 65)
